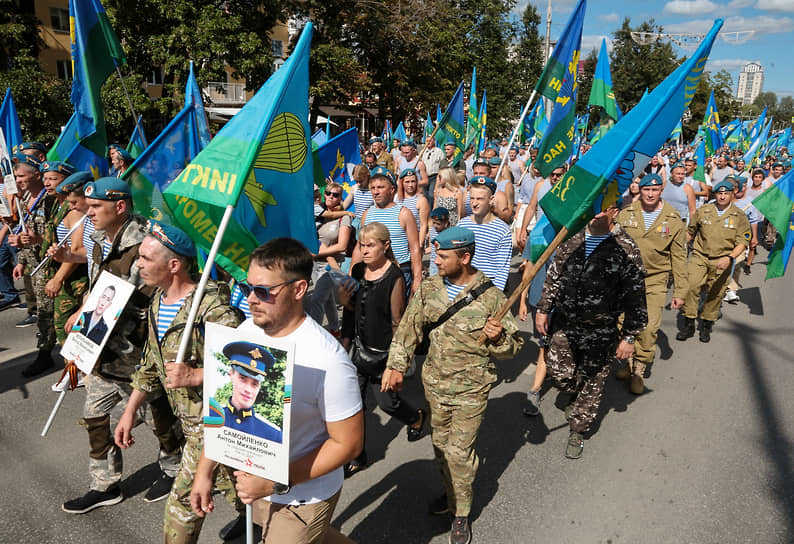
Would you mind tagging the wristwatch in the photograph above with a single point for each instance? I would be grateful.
(629, 338)
(281, 489)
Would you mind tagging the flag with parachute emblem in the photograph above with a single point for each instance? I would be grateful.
(451, 124)
(473, 121)
(483, 122)
(598, 179)
(138, 139)
(338, 156)
(711, 121)
(777, 205)
(260, 163)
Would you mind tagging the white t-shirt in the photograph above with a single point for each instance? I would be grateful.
(324, 388)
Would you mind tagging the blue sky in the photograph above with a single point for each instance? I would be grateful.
(772, 43)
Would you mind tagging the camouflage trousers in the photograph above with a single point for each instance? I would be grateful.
(181, 524)
(568, 376)
(454, 424)
(68, 301)
(45, 306)
(703, 272)
(645, 343)
(107, 398)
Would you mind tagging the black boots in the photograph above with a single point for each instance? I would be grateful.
(42, 363)
(687, 330)
(705, 330)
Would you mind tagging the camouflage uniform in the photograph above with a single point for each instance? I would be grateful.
(29, 257)
(181, 523)
(386, 160)
(109, 383)
(588, 294)
(713, 237)
(663, 250)
(457, 375)
(70, 297)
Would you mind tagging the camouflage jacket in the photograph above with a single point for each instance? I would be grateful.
(123, 349)
(37, 223)
(663, 245)
(588, 294)
(456, 363)
(149, 376)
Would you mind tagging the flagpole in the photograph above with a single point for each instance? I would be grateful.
(515, 131)
(53, 412)
(129, 100)
(525, 281)
(205, 275)
(62, 243)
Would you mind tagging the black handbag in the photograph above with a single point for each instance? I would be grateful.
(371, 362)
(424, 345)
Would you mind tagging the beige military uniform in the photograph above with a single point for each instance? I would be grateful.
(714, 237)
(457, 374)
(385, 159)
(663, 250)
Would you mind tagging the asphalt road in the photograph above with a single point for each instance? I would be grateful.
(706, 455)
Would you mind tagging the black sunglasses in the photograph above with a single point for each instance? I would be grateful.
(329, 193)
(265, 294)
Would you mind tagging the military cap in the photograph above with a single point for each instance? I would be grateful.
(124, 155)
(481, 161)
(449, 143)
(376, 139)
(689, 159)
(494, 161)
(454, 238)
(107, 189)
(650, 180)
(678, 164)
(21, 158)
(408, 172)
(484, 181)
(249, 359)
(383, 172)
(778, 163)
(759, 171)
(28, 145)
(410, 143)
(724, 185)
(740, 182)
(171, 237)
(56, 166)
(787, 163)
(441, 213)
(74, 182)
(731, 178)
(513, 147)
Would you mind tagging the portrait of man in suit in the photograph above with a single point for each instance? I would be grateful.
(94, 327)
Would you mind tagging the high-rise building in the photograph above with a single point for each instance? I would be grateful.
(751, 83)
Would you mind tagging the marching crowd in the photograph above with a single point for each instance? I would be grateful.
(417, 252)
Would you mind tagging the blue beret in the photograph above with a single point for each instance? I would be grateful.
(56, 166)
(650, 180)
(484, 181)
(449, 143)
(73, 182)
(740, 182)
(454, 238)
(28, 145)
(786, 163)
(407, 172)
(480, 161)
(724, 185)
(679, 164)
(383, 172)
(777, 164)
(107, 189)
(514, 148)
(441, 213)
(20, 157)
(171, 237)
(409, 142)
(124, 154)
(249, 359)
(494, 161)
(376, 139)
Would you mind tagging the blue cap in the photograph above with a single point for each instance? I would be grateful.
(407, 172)
(740, 181)
(171, 237)
(724, 185)
(74, 182)
(376, 139)
(650, 180)
(454, 238)
(441, 213)
(28, 145)
(449, 143)
(484, 181)
(481, 161)
(20, 157)
(780, 164)
(679, 164)
(107, 189)
(383, 172)
(56, 166)
(251, 360)
(494, 161)
(410, 142)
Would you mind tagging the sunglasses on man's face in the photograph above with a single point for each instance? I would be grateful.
(263, 293)
(331, 193)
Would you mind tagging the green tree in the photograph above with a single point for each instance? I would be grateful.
(586, 83)
(721, 83)
(19, 34)
(636, 67)
(528, 61)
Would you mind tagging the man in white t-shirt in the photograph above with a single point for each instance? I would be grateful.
(327, 423)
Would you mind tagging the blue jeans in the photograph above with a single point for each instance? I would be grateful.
(7, 261)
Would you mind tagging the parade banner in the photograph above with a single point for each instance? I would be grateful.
(98, 316)
(247, 394)
(777, 205)
(260, 164)
(601, 93)
(9, 122)
(137, 141)
(711, 121)
(473, 121)
(338, 156)
(483, 122)
(7, 169)
(451, 124)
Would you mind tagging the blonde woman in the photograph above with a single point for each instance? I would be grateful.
(449, 195)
